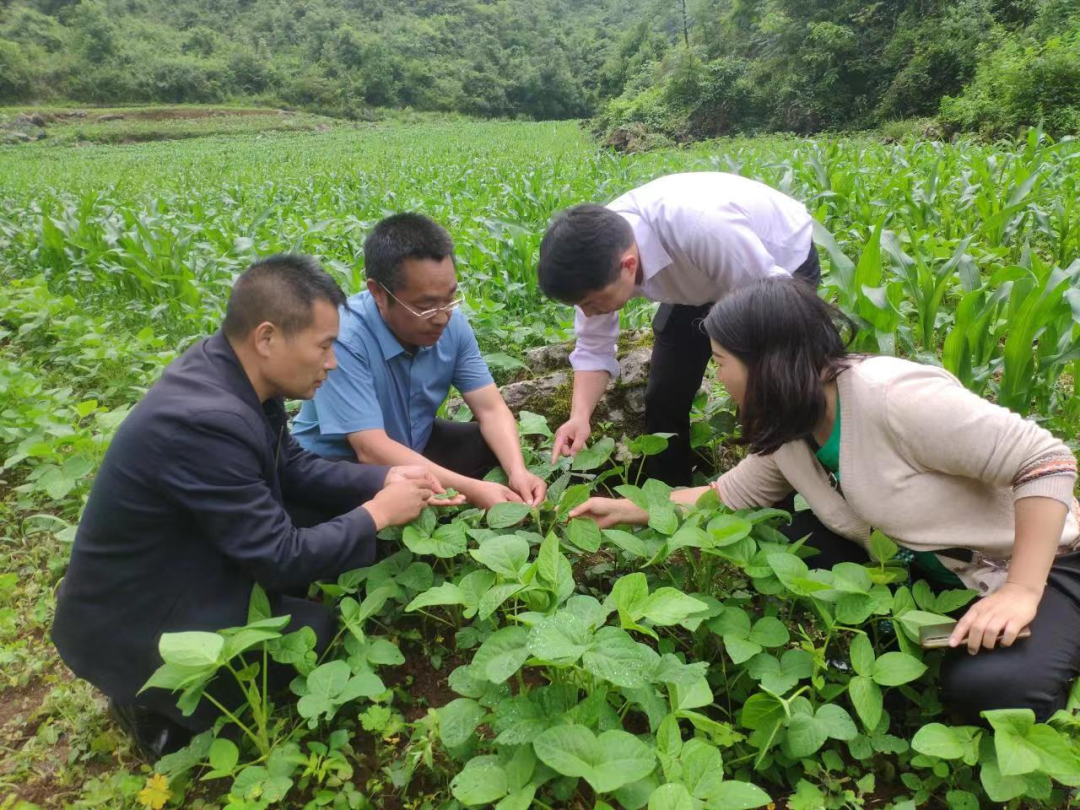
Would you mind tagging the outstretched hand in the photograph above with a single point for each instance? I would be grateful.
(608, 512)
(570, 438)
(997, 618)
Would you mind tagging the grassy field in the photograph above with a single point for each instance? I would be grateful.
(117, 256)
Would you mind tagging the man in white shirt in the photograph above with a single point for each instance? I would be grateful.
(685, 240)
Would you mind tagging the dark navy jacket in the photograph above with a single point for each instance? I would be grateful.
(187, 512)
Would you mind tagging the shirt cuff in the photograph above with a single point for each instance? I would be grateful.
(595, 363)
(1058, 487)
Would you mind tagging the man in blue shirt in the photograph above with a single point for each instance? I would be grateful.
(402, 344)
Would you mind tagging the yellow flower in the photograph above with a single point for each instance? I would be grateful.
(156, 793)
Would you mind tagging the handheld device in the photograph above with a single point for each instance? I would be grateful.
(935, 636)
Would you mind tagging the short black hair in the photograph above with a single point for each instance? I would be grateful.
(400, 237)
(791, 342)
(281, 289)
(581, 250)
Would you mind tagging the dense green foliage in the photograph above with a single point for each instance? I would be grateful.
(690, 69)
(807, 66)
(515, 657)
(514, 57)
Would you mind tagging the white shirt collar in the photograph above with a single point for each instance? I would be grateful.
(653, 256)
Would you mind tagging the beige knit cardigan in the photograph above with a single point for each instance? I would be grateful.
(924, 460)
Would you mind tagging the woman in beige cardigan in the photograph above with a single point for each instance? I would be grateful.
(974, 493)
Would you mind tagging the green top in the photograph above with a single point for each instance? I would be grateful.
(829, 453)
(930, 566)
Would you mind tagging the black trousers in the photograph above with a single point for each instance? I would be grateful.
(460, 448)
(1034, 673)
(681, 351)
(225, 690)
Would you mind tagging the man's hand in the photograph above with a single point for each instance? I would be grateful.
(1003, 614)
(530, 488)
(485, 494)
(570, 438)
(398, 503)
(423, 477)
(608, 512)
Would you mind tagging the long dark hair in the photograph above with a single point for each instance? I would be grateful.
(791, 343)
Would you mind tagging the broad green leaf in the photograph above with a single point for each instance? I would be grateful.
(804, 736)
(561, 639)
(630, 543)
(223, 755)
(592, 457)
(735, 795)
(867, 700)
(502, 654)
(663, 519)
(851, 578)
(505, 515)
(667, 606)
(862, 655)
(547, 560)
(494, 597)
(584, 534)
(458, 720)
(506, 555)
(769, 632)
(673, 797)
(482, 781)
(896, 668)
(607, 762)
(533, 424)
(936, 740)
(882, 548)
(191, 649)
(445, 594)
(702, 768)
(836, 722)
(617, 658)
(448, 540)
(761, 710)
(726, 530)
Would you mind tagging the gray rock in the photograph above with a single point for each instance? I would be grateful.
(543, 359)
(635, 366)
(535, 394)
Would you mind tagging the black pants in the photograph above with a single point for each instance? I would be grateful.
(1034, 673)
(225, 690)
(680, 354)
(460, 448)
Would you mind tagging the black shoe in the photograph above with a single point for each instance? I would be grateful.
(154, 734)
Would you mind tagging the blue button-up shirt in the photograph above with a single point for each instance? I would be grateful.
(378, 385)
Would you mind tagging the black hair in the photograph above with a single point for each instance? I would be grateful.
(792, 343)
(581, 250)
(281, 289)
(400, 237)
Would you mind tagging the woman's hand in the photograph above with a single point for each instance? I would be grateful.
(608, 512)
(998, 617)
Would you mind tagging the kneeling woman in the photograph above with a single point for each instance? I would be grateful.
(977, 494)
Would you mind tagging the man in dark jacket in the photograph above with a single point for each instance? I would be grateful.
(196, 498)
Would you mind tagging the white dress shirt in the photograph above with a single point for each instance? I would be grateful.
(700, 235)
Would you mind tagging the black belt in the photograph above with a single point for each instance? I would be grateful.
(961, 554)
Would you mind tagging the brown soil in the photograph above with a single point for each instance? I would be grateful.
(18, 705)
(427, 685)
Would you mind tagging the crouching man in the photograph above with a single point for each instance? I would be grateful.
(196, 500)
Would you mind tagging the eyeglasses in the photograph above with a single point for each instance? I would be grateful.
(427, 314)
